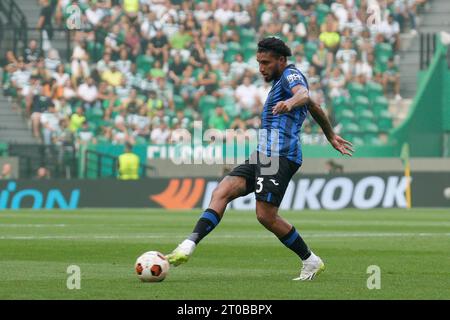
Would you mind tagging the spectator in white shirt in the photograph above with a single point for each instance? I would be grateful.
(94, 14)
(238, 66)
(50, 124)
(224, 14)
(246, 95)
(160, 134)
(240, 15)
(202, 12)
(140, 123)
(391, 31)
(124, 63)
(88, 93)
(214, 54)
(346, 53)
(363, 68)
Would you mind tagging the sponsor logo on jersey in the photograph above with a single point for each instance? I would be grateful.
(292, 77)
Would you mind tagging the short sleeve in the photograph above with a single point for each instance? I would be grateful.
(293, 77)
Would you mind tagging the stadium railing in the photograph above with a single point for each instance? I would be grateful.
(59, 160)
(427, 49)
(101, 165)
(14, 32)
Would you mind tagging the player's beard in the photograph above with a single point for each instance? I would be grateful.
(272, 76)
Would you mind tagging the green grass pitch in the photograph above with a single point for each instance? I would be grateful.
(239, 260)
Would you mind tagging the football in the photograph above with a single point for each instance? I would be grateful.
(152, 266)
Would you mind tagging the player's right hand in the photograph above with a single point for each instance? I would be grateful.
(342, 145)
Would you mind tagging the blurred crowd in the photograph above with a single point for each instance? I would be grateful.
(139, 69)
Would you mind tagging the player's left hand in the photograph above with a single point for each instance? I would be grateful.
(342, 145)
(282, 107)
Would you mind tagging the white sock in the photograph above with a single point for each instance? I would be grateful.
(188, 246)
(311, 258)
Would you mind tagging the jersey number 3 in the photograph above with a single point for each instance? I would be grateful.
(259, 184)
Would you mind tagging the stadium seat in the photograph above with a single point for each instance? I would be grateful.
(371, 139)
(352, 128)
(206, 104)
(232, 50)
(355, 139)
(310, 50)
(343, 114)
(374, 90)
(95, 50)
(322, 11)
(249, 50)
(368, 126)
(144, 63)
(247, 35)
(384, 120)
(94, 114)
(381, 104)
(360, 103)
(366, 114)
(356, 89)
(179, 102)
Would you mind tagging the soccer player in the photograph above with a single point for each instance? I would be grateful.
(268, 171)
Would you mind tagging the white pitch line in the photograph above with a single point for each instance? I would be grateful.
(17, 225)
(312, 235)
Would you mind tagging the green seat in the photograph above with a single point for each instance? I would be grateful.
(345, 113)
(95, 50)
(346, 123)
(249, 50)
(380, 105)
(339, 100)
(179, 102)
(232, 50)
(351, 128)
(310, 50)
(144, 63)
(141, 140)
(368, 126)
(189, 114)
(374, 90)
(247, 35)
(366, 114)
(322, 11)
(383, 113)
(371, 139)
(360, 104)
(206, 104)
(197, 72)
(355, 139)
(384, 120)
(356, 89)
(94, 114)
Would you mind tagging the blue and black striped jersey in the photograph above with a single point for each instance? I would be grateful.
(280, 134)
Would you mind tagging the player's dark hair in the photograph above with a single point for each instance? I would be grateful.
(275, 46)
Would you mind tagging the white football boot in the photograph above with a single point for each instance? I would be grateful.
(312, 267)
(182, 253)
